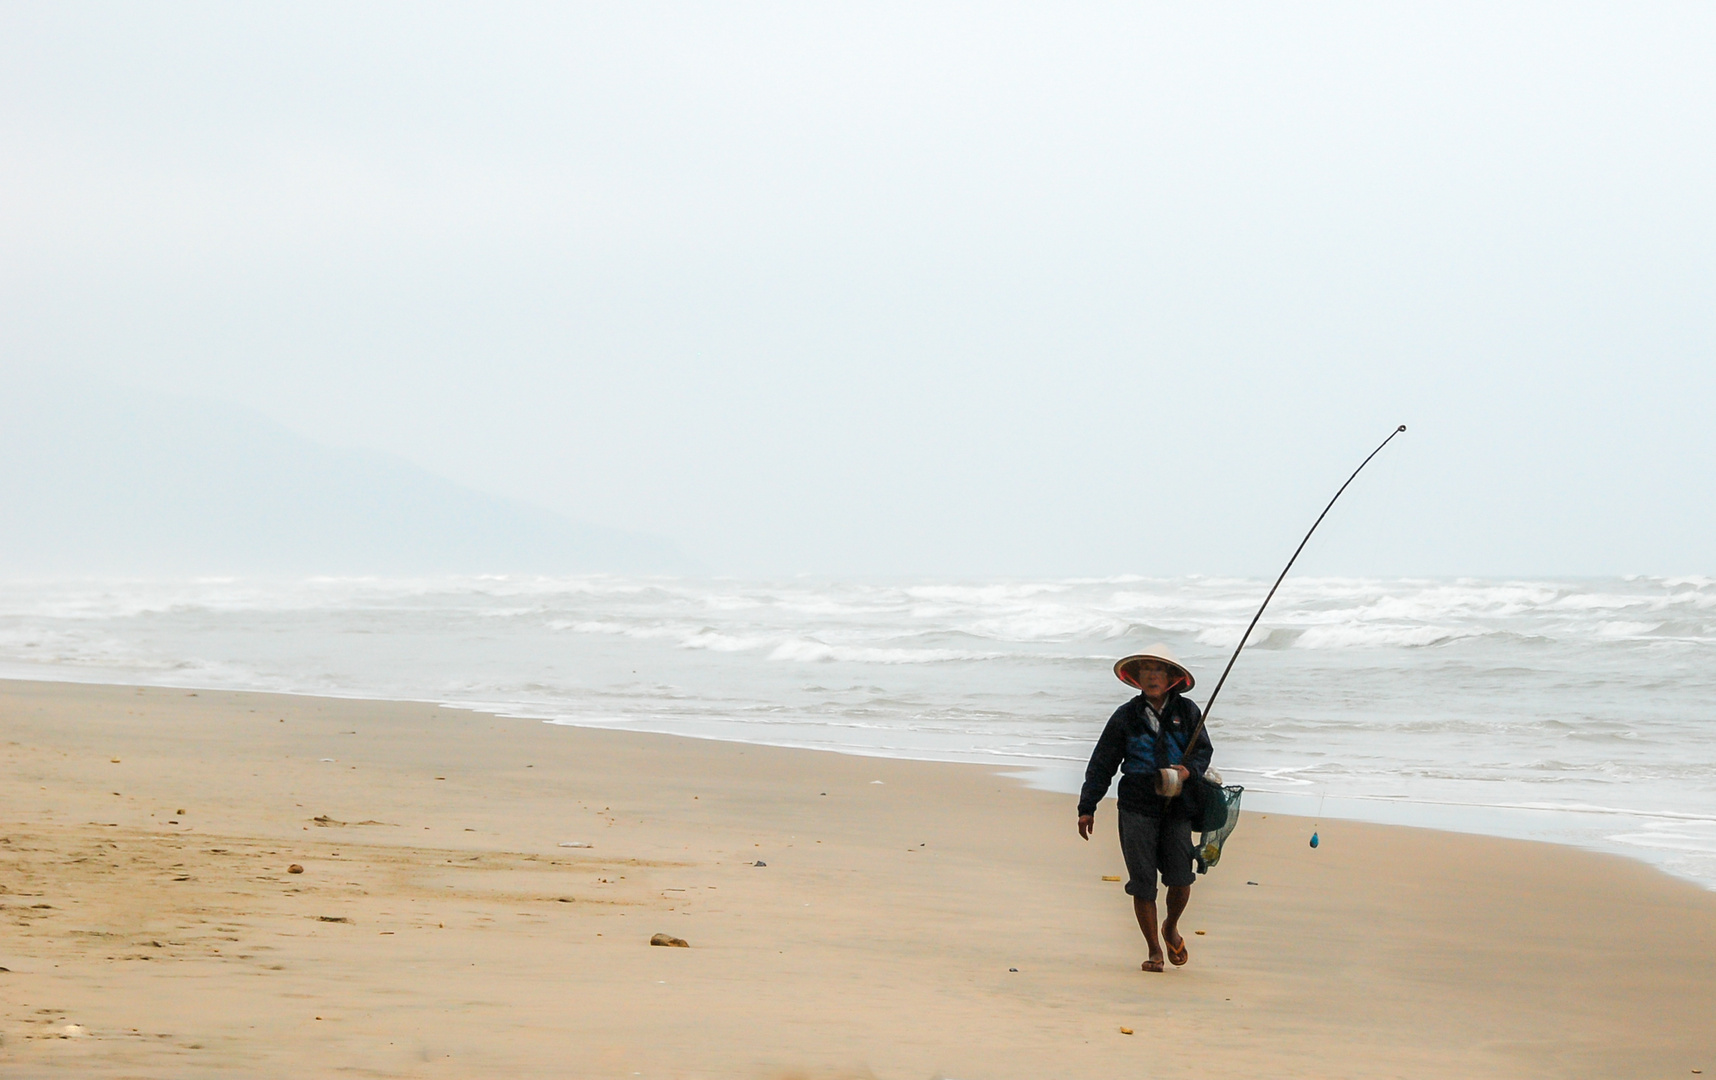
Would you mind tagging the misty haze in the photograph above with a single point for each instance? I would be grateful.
(742, 540)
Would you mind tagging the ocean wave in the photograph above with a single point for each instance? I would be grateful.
(1054, 625)
(1621, 628)
(1339, 636)
(814, 651)
(981, 595)
(1361, 636)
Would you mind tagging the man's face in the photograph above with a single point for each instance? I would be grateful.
(1154, 678)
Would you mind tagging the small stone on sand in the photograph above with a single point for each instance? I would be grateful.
(294, 869)
(759, 862)
(669, 940)
(1125, 1031)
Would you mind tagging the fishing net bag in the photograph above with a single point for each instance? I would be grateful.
(1218, 815)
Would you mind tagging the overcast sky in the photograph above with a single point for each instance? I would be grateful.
(914, 289)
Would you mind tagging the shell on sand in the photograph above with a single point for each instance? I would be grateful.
(669, 939)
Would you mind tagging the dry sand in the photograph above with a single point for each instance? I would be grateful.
(440, 928)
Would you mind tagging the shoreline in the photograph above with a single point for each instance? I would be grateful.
(913, 919)
(1541, 824)
(1532, 824)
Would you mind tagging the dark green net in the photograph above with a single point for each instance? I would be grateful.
(1210, 844)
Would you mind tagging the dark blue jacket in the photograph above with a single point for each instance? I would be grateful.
(1128, 744)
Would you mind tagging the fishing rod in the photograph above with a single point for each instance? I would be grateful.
(1245, 637)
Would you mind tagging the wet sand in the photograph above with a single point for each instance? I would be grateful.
(441, 929)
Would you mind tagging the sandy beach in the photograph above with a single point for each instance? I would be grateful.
(846, 916)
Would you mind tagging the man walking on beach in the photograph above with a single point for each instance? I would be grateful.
(1146, 739)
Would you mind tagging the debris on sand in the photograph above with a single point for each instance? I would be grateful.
(669, 940)
(294, 869)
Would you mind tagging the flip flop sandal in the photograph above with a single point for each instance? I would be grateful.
(1151, 965)
(1178, 955)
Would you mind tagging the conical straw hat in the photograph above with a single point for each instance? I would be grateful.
(1125, 668)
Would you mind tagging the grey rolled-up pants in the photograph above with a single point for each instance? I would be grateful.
(1153, 845)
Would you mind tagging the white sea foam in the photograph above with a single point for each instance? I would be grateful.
(1621, 628)
(818, 651)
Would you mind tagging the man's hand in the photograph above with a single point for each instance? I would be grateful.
(1086, 822)
(1185, 773)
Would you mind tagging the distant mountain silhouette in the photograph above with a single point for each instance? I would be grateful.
(146, 485)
